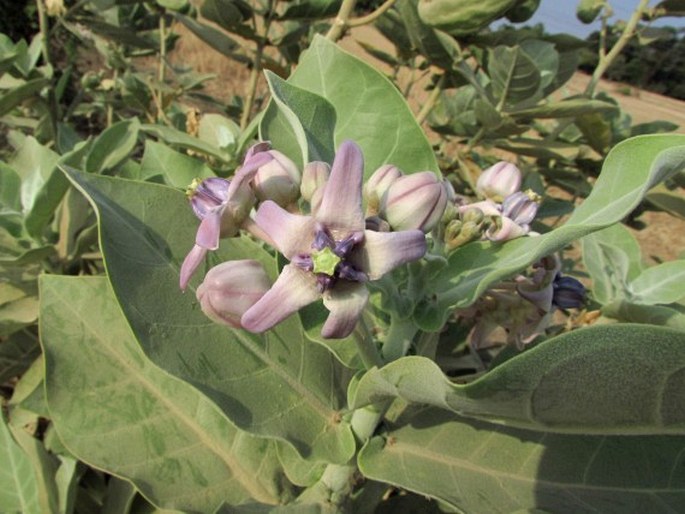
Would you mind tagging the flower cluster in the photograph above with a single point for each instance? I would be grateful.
(332, 251)
(522, 308)
(504, 212)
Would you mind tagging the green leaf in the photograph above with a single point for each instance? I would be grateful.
(277, 384)
(564, 109)
(182, 140)
(650, 314)
(612, 256)
(672, 202)
(113, 146)
(310, 9)
(18, 483)
(17, 352)
(213, 37)
(15, 96)
(662, 283)
(476, 467)
(116, 411)
(573, 383)
(632, 168)
(173, 168)
(514, 75)
(369, 108)
(540, 148)
(309, 119)
(588, 10)
(219, 131)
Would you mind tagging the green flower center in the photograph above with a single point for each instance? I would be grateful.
(325, 261)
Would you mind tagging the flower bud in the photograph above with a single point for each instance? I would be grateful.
(505, 229)
(569, 293)
(314, 177)
(377, 185)
(499, 181)
(277, 180)
(230, 289)
(55, 7)
(414, 201)
(521, 207)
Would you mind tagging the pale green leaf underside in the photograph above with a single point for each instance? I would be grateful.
(18, 485)
(117, 411)
(277, 384)
(608, 379)
(477, 467)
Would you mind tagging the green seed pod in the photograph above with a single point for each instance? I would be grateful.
(522, 11)
(588, 10)
(462, 17)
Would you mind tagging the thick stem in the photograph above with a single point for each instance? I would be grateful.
(366, 346)
(341, 22)
(399, 338)
(606, 60)
(162, 49)
(430, 102)
(45, 48)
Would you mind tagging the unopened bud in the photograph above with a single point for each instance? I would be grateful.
(314, 178)
(414, 201)
(230, 289)
(569, 293)
(377, 185)
(521, 207)
(505, 229)
(55, 7)
(277, 180)
(499, 181)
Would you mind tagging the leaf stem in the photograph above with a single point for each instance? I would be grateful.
(400, 336)
(366, 346)
(430, 102)
(47, 57)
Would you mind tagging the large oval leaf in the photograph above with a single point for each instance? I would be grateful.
(477, 467)
(115, 410)
(277, 384)
(609, 379)
(369, 108)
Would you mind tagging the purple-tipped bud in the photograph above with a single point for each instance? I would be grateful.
(277, 180)
(377, 185)
(505, 229)
(499, 181)
(230, 289)
(414, 201)
(314, 178)
(569, 293)
(521, 207)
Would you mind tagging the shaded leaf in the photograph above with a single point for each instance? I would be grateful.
(662, 283)
(573, 383)
(115, 410)
(477, 467)
(113, 146)
(277, 384)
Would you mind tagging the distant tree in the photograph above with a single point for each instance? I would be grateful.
(657, 66)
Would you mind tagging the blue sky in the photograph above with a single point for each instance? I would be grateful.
(560, 16)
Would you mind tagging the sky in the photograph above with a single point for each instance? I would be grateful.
(560, 16)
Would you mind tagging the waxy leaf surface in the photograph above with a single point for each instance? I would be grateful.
(277, 384)
(608, 379)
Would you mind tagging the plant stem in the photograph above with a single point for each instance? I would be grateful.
(341, 22)
(45, 48)
(371, 17)
(606, 60)
(252, 86)
(399, 338)
(365, 345)
(162, 48)
(430, 102)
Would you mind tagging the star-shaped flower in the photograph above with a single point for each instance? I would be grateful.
(331, 253)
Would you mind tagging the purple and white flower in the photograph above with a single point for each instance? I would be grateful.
(331, 253)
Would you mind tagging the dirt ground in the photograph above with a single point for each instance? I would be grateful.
(663, 236)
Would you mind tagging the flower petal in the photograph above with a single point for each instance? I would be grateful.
(341, 206)
(383, 251)
(209, 230)
(293, 290)
(292, 234)
(346, 301)
(247, 171)
(194, 258)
